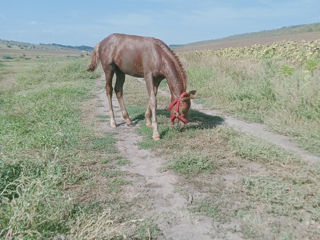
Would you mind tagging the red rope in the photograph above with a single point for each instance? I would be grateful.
(177, 103)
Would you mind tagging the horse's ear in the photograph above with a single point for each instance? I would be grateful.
(192, 94)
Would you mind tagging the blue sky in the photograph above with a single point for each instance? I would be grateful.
(174, 21)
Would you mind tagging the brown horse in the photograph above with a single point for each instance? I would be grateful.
(143, 57)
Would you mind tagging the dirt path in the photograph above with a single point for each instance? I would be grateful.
(162, 199)
(167, 207)
(256, 130)
(260, 131)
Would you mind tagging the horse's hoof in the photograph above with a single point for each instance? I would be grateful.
(149, 124)
(113, 125)
(156, 138)
(129, 123)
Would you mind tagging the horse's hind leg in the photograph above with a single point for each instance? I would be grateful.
(109, 74)
(119, 93)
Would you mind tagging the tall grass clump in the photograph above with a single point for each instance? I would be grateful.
(277, 85)
(39, 129)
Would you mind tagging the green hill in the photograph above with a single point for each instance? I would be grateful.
(42, 46)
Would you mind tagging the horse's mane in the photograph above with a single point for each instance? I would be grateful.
(176, 59)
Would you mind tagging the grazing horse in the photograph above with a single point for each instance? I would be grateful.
(143, 57)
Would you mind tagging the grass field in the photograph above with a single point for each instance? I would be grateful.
(59, 177)
(246, 185)
(276, 85)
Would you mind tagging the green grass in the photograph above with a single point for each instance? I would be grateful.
(123, 162)
(192, 163)
(146, 230)
(255, 149)
(207, 208)
(40, 126)
(56, 172)
(271, 90)
(242, 181)
(101, 143)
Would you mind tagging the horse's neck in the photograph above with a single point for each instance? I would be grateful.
(175, 81)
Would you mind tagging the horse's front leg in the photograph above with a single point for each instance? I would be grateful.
(152, 105)
(148, 111)
(147, 116)
(119, 93)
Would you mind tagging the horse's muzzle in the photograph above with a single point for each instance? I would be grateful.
(179, 125)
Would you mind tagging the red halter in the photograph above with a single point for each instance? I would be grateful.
(177, 103)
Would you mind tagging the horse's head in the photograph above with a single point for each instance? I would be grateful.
(182, 114)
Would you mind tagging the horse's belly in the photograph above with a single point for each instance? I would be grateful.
(130, 61)
(134, 74)
(132, 69)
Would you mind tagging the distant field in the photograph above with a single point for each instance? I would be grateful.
(217, 45)
(15, 52)
(308, 32)
(12, 50)
(42, 46)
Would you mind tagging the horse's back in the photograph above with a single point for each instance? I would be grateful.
(133, 55)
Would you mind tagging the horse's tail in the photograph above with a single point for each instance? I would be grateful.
(95, 59)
